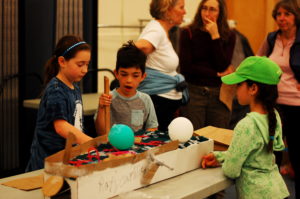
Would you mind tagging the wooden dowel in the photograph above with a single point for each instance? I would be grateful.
(107, 108)
(149, 173)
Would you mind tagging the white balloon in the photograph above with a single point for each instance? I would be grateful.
(181, 129)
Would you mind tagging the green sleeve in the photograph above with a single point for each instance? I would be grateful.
(220, 156)
(243, 142)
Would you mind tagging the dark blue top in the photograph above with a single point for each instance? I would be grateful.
(58, 102)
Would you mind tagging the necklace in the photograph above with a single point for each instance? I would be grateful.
(284, 43)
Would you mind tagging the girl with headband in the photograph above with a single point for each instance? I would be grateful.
(60, 111)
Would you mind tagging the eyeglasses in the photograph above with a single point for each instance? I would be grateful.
(209, 9)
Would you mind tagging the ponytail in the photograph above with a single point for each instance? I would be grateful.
(51, 69)
(272, 125)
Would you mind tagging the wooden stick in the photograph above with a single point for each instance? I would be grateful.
(149, 173)
(107, 108)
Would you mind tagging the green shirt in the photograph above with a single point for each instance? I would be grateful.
(248, 161)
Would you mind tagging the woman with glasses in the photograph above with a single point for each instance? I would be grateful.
(205, 52)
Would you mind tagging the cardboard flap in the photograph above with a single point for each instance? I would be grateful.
(26, 184)
(219, 135)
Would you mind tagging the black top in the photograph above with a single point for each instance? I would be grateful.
(201, 58)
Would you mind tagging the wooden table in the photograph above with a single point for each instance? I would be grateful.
(90, 103)
(198, 184)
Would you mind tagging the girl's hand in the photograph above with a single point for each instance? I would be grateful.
(212, 28)
(104, 100)
(209, 160)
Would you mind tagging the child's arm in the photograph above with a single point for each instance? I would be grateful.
(244, 143)
(62, 127)
(104, 100)
(145, 46)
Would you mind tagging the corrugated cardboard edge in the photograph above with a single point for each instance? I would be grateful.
(54, 165)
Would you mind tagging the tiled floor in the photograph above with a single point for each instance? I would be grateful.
(230, 192)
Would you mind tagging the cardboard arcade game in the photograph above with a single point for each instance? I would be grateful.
(107, 173)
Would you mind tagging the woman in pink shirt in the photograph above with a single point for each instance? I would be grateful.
(283, 47)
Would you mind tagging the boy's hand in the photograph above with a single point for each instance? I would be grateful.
(209, 160)
(104, 100)
(152, 129)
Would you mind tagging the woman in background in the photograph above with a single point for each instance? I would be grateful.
(163, 83)
(283, 47)
(61, 110)
(205, 53)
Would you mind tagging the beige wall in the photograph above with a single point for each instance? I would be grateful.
(254, 19)
(124, 13)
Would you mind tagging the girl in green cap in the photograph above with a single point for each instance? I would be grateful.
(250, 159)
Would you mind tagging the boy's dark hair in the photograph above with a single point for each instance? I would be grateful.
(130, 56)
(267, 95)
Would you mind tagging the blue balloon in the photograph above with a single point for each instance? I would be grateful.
(121, 136)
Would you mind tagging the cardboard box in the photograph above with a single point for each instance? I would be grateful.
(222, 137)
(110, 178)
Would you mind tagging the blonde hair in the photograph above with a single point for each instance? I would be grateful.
(158, 8)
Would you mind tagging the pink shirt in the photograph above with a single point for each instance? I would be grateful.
(287, 91)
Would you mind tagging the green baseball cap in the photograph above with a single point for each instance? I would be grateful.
(255, 68)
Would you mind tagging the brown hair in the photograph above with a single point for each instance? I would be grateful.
(290, 6)
(221, 21)
(158, 8)
(62, 49)
(267, 95)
